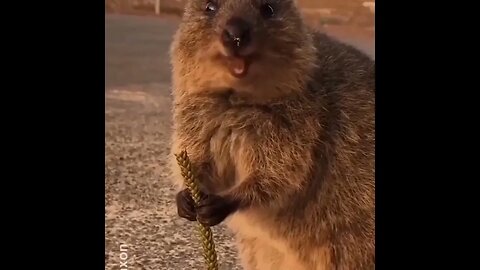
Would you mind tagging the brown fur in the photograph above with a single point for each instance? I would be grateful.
(294, 139)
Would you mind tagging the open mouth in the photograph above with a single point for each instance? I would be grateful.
(238, 66)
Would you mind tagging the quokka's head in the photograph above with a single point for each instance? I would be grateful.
(257, 46)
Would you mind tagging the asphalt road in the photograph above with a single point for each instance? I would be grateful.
(142, 229)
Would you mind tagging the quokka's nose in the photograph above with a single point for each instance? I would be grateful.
(236, 34)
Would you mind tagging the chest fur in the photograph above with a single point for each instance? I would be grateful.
(225, 147)
(217, 133)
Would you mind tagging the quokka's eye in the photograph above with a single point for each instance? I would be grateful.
(211, 8)
(267, 11)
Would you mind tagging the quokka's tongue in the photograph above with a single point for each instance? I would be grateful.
(238, 67)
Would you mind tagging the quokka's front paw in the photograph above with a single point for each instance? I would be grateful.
(186, 205)
(213, 209)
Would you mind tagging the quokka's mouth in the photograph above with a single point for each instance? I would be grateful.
(238, 66)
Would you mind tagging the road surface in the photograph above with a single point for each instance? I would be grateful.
(142, 228)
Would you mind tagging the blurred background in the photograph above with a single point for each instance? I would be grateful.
(142, 228)
(353, 12)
